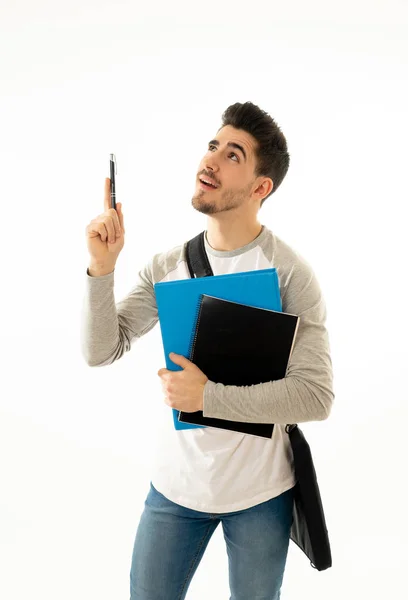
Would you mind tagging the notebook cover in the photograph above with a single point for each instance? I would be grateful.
(177, 303)
(236, 344)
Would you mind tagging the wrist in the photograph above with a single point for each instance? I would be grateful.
(95, 270)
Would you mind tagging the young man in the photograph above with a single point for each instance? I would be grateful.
(205, 476)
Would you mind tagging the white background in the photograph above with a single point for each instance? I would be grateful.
(82, 79)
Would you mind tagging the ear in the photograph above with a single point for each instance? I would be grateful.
(264, 188)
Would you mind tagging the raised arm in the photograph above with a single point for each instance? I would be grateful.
(107, 329)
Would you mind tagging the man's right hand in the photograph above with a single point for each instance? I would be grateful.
(105, 237)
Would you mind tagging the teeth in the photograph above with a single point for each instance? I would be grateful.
(209, 182)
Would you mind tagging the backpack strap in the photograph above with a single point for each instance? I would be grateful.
(197, 259)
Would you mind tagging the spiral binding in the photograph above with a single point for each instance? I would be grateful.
(195, 328)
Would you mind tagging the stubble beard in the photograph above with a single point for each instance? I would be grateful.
(228, 201)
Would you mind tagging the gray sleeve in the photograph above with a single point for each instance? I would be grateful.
(108, 329)
(306, 392)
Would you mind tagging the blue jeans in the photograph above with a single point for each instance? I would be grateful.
(171, 540)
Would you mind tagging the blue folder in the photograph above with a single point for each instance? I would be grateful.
(177, 303)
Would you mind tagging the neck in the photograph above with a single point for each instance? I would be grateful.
(230, 235)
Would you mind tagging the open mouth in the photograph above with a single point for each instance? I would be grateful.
(207, 186)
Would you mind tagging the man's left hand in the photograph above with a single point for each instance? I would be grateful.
(183, 390)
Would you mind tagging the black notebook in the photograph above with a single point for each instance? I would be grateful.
(236, 344)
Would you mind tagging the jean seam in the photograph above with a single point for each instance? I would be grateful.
(194, 561)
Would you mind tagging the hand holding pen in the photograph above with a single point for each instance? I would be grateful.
(105, 236)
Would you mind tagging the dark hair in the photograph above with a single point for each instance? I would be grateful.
(271, 153)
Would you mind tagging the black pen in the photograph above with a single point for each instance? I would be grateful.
(113, 171)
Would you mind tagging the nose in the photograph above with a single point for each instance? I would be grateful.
(211, 170)
(210, 163)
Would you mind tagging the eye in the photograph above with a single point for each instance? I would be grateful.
(231, 153)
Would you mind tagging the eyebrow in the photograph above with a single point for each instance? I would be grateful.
(231, 144)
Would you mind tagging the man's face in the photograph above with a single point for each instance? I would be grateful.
(232, 170)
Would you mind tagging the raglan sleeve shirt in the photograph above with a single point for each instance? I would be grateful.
(306, 392)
